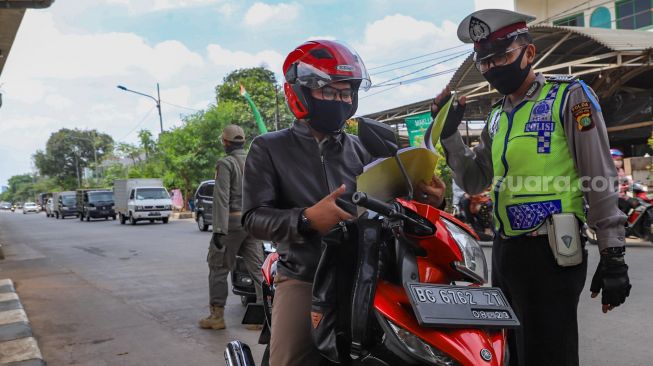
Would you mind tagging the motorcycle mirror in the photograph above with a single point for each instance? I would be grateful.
(378, 138)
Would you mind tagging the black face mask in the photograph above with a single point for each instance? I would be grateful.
(506, 79)
(328, 116)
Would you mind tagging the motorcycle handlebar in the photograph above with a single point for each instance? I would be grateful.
(371, 203)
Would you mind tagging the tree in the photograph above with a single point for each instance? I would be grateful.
(68, 152)
(17, 190)
(25, 187)
(188, 153)
(261, 84)
(148, 145)
(130, 151)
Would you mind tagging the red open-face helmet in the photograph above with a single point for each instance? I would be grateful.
(315, 64)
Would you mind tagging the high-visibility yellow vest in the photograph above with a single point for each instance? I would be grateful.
(534, 172)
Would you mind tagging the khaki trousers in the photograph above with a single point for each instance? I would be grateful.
(291, 343)
(222, 261)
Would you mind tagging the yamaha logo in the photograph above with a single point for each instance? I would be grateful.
(348, 68)
(486, 355)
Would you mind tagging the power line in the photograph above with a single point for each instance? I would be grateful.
(384, 83)
(418, 63)
(379, 92)
(416, 57)
(409, 81)
(138, 124)
(180, 106)
(423, 77)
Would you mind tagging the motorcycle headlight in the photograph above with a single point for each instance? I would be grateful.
(473, 263)
(421, 349)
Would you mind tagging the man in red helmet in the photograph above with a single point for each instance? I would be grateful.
(294, 178)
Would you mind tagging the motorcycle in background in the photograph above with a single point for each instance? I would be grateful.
(639, 212)
(476, 212)
(424, 300)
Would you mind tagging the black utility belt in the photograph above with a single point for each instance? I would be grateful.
(541, 231)
(564, 236)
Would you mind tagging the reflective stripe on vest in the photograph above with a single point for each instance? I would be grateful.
(534, 172)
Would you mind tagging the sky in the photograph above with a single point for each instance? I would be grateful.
(67, 60)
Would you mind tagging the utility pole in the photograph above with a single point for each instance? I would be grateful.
(158, 105)
(157, 100)
(276, 107)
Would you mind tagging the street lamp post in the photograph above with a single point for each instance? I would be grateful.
(156, 100)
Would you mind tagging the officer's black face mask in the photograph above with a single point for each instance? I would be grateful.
(506, 79)
(328, 116)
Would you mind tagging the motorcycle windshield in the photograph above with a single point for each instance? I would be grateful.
(383, 180)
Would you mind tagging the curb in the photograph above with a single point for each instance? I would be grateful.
(18, 347)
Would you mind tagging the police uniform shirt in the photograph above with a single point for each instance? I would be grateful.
(587, 140)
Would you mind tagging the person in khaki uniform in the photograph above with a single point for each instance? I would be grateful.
(229, 238)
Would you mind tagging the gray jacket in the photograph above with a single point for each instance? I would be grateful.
(227, 192)
(590, 149)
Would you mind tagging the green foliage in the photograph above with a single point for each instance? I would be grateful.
(262, 87)
(68, 152)
(113, 172)
(351, 126)
(25, 188)
(148, 145)
(443, 171)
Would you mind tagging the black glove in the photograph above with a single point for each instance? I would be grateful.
(454, 117)
(611, 276)
(215, 240)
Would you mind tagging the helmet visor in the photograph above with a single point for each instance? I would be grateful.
(329, 62)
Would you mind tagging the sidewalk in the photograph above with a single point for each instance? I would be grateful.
(17, 344)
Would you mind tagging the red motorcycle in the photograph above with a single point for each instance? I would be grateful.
(428, 306)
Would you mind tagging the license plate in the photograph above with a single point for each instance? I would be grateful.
(461, 306)
(154, 213)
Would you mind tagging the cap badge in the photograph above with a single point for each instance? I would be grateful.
(478, 29)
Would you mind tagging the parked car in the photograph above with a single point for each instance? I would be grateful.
(95, 203)
(30, 207)
(204, 204)
(141, 199)
(64, 204)
(49, 208)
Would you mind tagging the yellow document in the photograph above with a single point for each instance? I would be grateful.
(382, 179)
(432, 134)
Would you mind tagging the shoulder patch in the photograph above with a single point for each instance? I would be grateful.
(560, 78)
(582, 113)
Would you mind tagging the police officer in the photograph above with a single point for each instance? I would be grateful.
(542, 129)
(229, 238)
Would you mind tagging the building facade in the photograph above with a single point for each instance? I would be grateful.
(615, 14)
